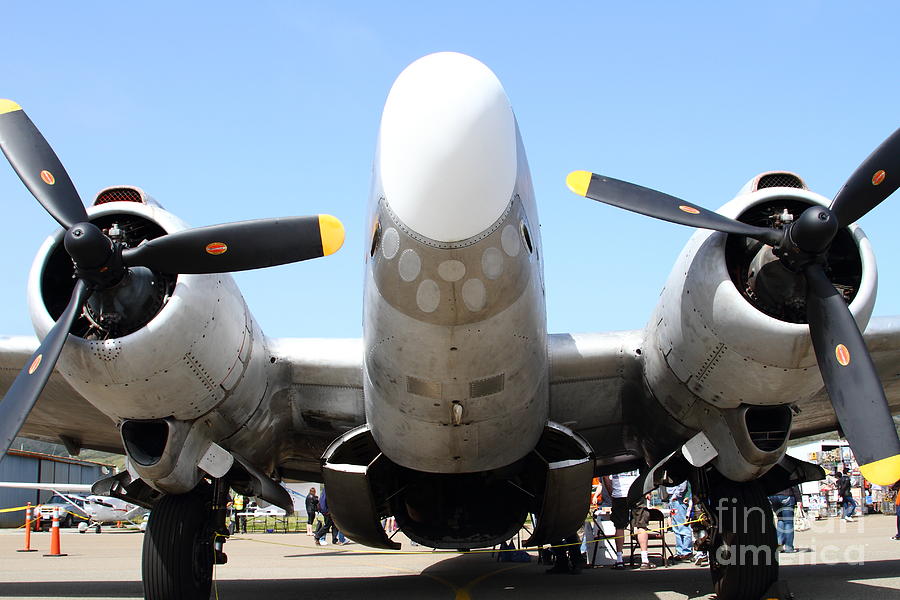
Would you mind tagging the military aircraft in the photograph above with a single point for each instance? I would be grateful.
(88, 510)
(457, 412)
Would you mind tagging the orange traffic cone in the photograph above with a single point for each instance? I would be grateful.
(54, 538)
(27, 547)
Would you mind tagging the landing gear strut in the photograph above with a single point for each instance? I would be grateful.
(180, 544)
(743, 556)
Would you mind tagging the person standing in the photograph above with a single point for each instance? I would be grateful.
(616, 488)
(639, 514)
(240, 518)
(896, 488)
(312, 507)
(679, 508)
(328, 523)
(783, 504)
(845, 491)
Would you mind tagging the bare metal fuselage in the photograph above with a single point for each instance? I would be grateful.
(455, 324)
(456, 342)
(457, 443)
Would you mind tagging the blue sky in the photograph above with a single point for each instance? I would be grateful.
(228, 111)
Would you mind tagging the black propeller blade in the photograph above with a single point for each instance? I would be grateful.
(851, 380)
(661, 206)
(847, 368)
(37, 165)
(101, 263)
(874, 180)
(30, 381)
(240, 246)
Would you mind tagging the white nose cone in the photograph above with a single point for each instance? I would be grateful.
(447, 150)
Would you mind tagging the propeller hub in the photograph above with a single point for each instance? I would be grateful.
(88, 246)
(814, 230)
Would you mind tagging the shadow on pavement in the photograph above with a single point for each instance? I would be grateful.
(483, 578)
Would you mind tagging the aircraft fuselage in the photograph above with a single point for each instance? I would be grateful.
(455, 322)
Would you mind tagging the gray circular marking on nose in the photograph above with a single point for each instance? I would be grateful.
(474, 294)
(428, 296)
(492, 263)
(510, 241)
(410, 265)
(451, 270)
(390, 243)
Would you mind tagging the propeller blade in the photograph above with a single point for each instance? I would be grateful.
(851, 380)
(34, 161)
(240, 246)
(662, 206)
(30, 381)
(874, 180)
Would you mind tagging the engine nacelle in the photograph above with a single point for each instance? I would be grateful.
(183, 348)
(728, 348)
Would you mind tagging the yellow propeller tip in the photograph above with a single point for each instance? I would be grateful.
(882, 472)
(8, 106)
(578, 182)
(332, 232)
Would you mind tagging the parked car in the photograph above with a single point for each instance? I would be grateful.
(70, 512)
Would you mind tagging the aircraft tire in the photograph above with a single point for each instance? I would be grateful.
(744, 556)
(177, 562)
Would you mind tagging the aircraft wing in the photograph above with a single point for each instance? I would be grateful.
(592, 375)
(50, 487)
(322, 380)
(60, 410)
(883, 339)
(133, 513)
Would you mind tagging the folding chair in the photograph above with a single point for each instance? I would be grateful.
(656, 538)
(602, 542)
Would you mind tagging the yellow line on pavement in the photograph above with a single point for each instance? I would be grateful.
(461, 593)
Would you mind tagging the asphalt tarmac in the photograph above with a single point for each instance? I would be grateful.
(282, 566)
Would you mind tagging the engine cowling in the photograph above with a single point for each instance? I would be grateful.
(728, 348)
(184, 349)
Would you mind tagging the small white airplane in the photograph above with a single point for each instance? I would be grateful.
(86, 509)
